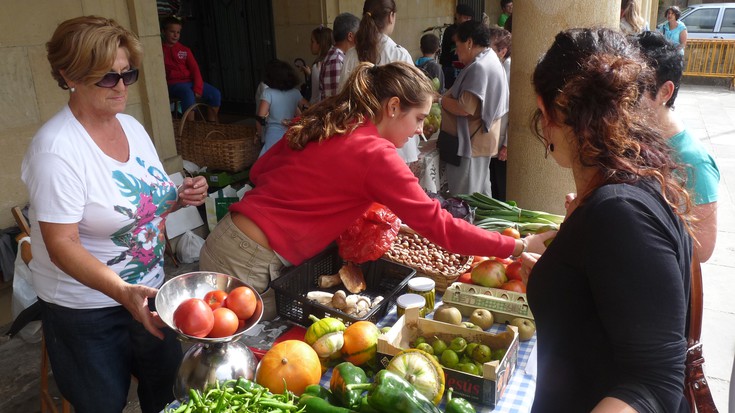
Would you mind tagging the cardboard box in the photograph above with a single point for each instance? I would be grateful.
(505, 305)
(487, 389)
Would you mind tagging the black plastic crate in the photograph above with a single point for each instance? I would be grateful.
(382, 277)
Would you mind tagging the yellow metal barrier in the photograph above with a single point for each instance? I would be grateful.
(710, 58)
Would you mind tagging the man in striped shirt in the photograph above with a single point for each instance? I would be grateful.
(345, 26)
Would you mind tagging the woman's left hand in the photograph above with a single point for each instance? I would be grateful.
(193, 191)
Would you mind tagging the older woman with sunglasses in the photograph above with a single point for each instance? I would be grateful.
(99, 200)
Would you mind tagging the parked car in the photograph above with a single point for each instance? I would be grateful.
(709, 21)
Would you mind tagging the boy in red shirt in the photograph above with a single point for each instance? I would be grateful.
(182, 73)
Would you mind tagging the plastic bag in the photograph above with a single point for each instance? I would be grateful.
(188, 248)
(370, 236)
(24, 296)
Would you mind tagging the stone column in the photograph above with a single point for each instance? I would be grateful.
(535, 182)
(154, 112)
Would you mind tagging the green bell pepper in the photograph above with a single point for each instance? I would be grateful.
(319, 391)
(458, 404)
(344, 375)
(391, 393)
(313, 404)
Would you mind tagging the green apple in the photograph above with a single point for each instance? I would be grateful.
(435, 82)
(447, 314)
(526, 328)
(482, 318)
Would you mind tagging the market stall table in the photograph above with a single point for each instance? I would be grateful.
(519, 393)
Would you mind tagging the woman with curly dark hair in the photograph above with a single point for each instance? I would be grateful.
(610, 295)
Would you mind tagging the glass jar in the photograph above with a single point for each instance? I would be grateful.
(408, 301)
(424, 287)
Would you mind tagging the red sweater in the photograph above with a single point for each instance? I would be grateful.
(303, 200)
(181, 66)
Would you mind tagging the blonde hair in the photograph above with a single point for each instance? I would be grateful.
(366, 90)
(631, 13)
(85, 48)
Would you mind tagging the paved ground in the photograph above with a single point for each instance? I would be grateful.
(709, 112)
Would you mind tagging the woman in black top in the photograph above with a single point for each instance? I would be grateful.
(611, 293)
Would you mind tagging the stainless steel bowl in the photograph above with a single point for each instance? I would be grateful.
(195, 285)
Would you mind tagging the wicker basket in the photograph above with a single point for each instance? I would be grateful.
(414, 243)
(221, 147)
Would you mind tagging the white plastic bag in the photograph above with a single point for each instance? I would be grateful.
(24, 296)
(187, 250)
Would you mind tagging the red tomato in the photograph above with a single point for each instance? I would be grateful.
(215, 299)
(465, 278)
(511, 232)
(513, 271)
(514, 285)
(194, 317)
(242, 301)
(225, 323)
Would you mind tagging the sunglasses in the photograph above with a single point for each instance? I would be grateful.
(111, 79)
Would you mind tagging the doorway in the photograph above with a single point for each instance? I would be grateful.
(232, 40)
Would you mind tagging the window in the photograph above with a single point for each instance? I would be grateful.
(728, 21)
(702, 20)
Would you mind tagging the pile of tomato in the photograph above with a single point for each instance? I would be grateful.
(514, 280)
(218, 314)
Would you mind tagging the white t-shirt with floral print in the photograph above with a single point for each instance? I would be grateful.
(120, 207)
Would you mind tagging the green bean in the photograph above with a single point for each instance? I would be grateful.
(239, 395)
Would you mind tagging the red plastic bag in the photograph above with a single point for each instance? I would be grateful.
(370, 236)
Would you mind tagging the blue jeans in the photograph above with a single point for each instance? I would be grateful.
(184, 92)
(94, 352)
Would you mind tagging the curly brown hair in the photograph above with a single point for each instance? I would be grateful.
(591, 80)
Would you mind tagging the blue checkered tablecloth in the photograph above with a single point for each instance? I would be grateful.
(518, 394)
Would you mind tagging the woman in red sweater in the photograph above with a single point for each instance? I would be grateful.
(337, 160)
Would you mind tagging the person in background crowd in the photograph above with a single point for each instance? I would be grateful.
(99, 199)
(345, 27)
(673, 29)
(321, 43)
(448, 55)
(631, 21)
(472, 110)
(279, 103)
(427, 63)
(300, 65)
(703, 176)
(631, 208)
(350, 141)
(373, 44)
(182, 73)
(500, 41)
(507, 7)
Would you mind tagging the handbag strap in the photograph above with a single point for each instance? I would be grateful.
(696, 388)
(696, 302)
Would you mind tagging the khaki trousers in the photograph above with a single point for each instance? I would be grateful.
(227, 250)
